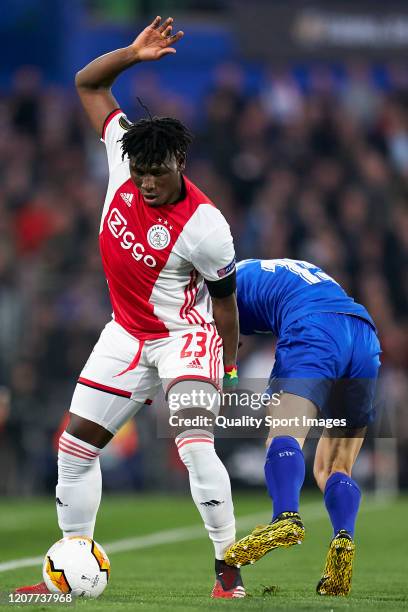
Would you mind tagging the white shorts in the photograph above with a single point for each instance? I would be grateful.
(123, 373)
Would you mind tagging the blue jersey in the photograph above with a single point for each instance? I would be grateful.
(273, 293)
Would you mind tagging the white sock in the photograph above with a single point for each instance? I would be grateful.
(79, 486)
(210, 488)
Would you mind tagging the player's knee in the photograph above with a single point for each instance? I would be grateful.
(193, 410)
(88, 431)
(75, 458)
(196, 450)
(194, 395)
(193, 442)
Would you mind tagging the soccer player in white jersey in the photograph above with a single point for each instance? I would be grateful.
(169, 260)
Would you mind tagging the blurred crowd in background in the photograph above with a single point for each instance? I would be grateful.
(314, 170)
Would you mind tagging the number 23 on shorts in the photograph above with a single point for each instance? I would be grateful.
(197, 341)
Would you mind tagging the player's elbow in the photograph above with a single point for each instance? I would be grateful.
(79, 80)
(84, 83)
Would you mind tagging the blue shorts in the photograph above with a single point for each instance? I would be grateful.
(333, 360)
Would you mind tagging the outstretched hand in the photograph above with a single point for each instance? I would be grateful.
(156, 40)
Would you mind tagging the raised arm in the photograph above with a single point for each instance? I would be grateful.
(94, 82)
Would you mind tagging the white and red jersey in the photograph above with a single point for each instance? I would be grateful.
(157, 257)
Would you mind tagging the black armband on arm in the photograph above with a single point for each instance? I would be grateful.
(224, 287)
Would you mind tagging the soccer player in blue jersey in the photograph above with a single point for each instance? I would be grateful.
(325, 341)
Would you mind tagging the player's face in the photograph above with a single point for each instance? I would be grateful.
(158, 184)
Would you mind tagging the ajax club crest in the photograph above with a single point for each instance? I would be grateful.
(158, 236)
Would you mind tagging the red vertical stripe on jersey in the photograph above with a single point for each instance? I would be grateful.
(183, 309)
(193, 311)
(219, 346)
(188, 300)
(212, 354)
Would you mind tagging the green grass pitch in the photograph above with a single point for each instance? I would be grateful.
(178, 575)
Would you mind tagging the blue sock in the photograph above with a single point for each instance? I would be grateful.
(342, 498)
(284, 474)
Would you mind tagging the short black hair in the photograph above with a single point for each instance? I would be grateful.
(152, 141)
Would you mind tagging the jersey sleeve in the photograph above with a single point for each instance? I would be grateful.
(114, 127)
(214, 255)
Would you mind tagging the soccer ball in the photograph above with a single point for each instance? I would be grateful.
(76, 565)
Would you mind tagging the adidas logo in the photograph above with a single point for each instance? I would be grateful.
(127, 197)
(212, 502)
(195, 364)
